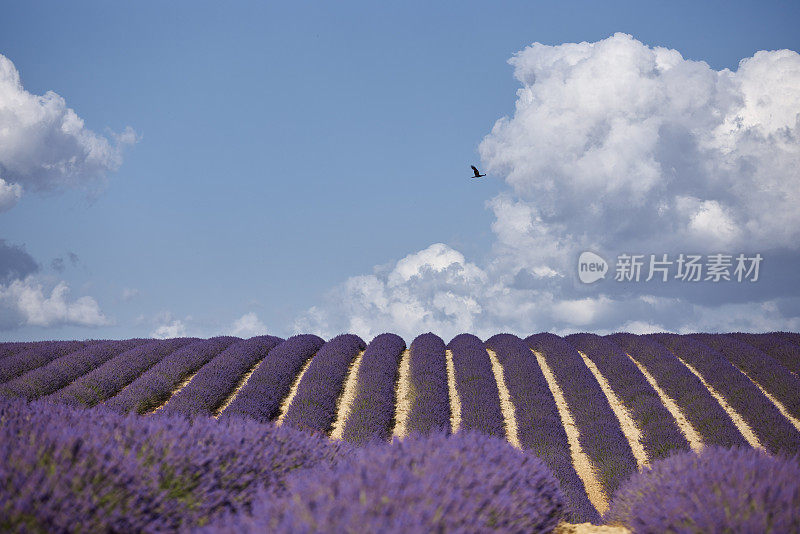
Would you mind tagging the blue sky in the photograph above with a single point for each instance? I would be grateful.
(283, 150)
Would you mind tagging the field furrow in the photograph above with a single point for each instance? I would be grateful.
(21, 362)
(542, 425)
(272, 380)
(694, 400)
(776, 346)
(773, 430)
(62, 371)
(506, 405)
(476, 386)
(314, 405)
(428, 378)
(155, 386)
(108, 379)
(600, 435)
(652, 424)
(371, 412)
(217, 379)
(403, 396)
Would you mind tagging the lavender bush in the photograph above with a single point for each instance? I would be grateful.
(661, 436)
(539, 426)
(476, 386)
(717, 490)
(216, 380)
(9, 348)
(314, 405)
(771, 428)
(696, 403)
(55, 375)
(272, 380)
(469, 482)
(780, 348)
(430, 398)
(764, 370)
(68, 469)
(42, 353)
(600, 434)
(371, 414)
(155, 386)
(107, 380)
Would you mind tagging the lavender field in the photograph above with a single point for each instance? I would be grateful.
(650, 433)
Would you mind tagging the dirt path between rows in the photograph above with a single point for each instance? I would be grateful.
(506, 406)
(403, 395)
(347, 397)
(292, 392)
(455, 400)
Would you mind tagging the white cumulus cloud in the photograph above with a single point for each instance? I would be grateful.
(248, 325)
(44, 144)
(27, 303)
(613, 146)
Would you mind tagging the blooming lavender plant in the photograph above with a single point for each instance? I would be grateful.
(717, 490)
(371, 414)
(661, 436)
(476, 386)
(217, 379)
(155, 386)
(60, 372)
(764, 370)
(696, 403)
(271, 382)
(9, 348)
(69, 469)
(108, 379)
(430, 399)
(771, 428)
(43, 353)
(314, 405)
(600, 434)
(776, 346)
(467, 482)
(539, 426)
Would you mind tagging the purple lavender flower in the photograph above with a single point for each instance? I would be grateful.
(717, 490)
(539, 426)
(771, 428)
(217, 379)
(430, 405)
(371, 414)
(468, 482)
(63, 468)
(661, 436)
(476, 386)
(696, 403)
(272, 380)
(41, 354)
(314, 405)
(60, 372)
(774, 345)
(155, 386)
(600, 434)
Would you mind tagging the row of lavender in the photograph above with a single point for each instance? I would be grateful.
(141, 375)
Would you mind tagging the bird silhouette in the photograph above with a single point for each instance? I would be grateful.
(476, 171)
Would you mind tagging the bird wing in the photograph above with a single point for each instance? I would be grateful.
(477, 172)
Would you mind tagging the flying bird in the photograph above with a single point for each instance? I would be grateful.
(476, 171)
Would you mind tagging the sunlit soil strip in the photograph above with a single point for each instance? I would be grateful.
(505, 401)
(581, 462)
(694, 439)
(588, 528)
(740, 423)
(292, 392)
(403, 395)
(347, 398)
(174, 392)
(455, 400)
(236, 390)
(778, 404)
(626, 422)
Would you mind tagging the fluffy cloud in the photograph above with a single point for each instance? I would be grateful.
(614, 146)
(173, 328)
(27, 303)
(248, 325)
(9, 195)
(44, 145)
(15, 263)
